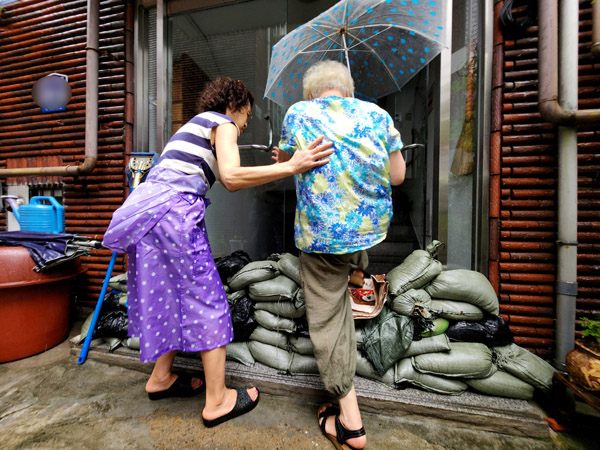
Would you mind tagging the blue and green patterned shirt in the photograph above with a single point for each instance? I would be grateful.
(345, 205)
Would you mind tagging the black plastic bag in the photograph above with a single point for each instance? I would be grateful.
(491, 331)
(111, 303)
(242, 316)
(302, 328)
(112, 324)
(230, 265)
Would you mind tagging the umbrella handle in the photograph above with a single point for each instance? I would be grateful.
(90, 333)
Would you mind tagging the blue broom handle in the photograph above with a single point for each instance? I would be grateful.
(92, 327)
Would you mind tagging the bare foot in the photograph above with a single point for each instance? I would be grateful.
(358, 442)
(157, 384)
(213, 412)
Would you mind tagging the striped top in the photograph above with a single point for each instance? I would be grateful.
(190, 150)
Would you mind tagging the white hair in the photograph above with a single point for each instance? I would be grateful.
(326, 74)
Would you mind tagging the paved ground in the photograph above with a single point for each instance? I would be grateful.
(49, 402)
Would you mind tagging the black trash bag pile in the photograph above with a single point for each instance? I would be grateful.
(112, 321)
(491, 331)
(242, 317)
(231, 264)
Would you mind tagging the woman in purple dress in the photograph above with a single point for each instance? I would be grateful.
(176, 299)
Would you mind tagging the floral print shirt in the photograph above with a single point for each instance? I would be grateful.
(345, 205)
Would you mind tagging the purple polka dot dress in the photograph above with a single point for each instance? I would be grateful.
(175, 296)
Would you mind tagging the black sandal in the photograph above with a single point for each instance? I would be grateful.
(181, 387)
(342, 433)
(243, 404)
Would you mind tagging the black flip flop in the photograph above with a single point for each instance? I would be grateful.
(243, 404)
(181, 387)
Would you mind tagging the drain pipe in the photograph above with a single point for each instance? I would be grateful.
(596, 29)
(567, 117)
(91, 108)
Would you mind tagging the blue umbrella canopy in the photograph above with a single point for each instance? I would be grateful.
(384, 43)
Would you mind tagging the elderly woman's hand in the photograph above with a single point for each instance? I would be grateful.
(314, 155)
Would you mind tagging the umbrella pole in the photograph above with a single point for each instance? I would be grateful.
(346, 55)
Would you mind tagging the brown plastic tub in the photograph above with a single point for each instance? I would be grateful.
(34, 307)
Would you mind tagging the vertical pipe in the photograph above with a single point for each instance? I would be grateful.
(566, 286)
(161, 75)
(91, 82)
(596, 29)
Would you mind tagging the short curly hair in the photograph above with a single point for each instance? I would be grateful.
(326, 74)
(217, 95)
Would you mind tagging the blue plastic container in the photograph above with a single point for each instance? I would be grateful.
(39, 216)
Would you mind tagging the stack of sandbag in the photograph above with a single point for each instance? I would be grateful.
(463, 306)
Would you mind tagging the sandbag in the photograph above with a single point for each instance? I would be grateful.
(228, 266)
(270, 356)
(455, 310)
(414, 302)
(465, 286)
(299, 299)
(280, 288)
(433, 344)
(302, 345)
(524, 365)
(239, 351)
(366, 370)
(502, 384)
(358, 334)
(303, 365)
(405, 373)
(491, 331)
(253, 273)
(118, 282)
(233, 296)
(285, 309)
(289, 265)
(84, 328)
(113, 343)
(242, 318)
(132, 343)
(270, 337)
(273, 322)
(418, 269)
(385, 338)
(464, 360)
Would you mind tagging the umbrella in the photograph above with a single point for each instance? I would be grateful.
(384, 43)
(49, 249)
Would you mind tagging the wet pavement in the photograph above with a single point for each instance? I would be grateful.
(49, 402)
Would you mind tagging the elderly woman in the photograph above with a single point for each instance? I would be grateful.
(343, 208)
(176, 299)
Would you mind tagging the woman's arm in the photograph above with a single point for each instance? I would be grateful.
(397, 168)
(234, 176)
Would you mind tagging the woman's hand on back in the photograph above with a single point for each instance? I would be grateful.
(314, 155)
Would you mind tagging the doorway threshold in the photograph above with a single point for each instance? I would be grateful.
(468, 410)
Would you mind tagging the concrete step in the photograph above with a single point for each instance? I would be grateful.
(469, 410)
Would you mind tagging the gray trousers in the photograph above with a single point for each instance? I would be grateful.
(329, 315)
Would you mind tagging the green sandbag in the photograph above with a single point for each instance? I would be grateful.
(280, 288)
(118, 282)
(303, 365)
(270, 356)
(464, 360)
(239, 351)
(433, 344)
(502, 384)
(273, 322)
(275, 338)
(123, 299)
(299, 300)
(454, 310)
(366, 370)
(285, 309)
(84, 328)
(233, 297)
(524, 365)
(418, 269)
(405, 373)
(440, 325)
(465, 286)
(302, 345)
(253, 273)
(385, 338)
(113, 343)
(414, 302)
(289, 265)
(132, 343)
